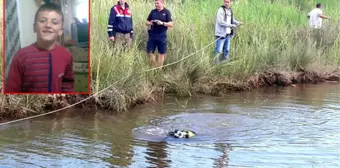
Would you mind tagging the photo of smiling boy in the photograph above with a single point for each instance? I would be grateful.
(44, 66)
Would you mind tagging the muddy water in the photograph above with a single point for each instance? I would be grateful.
(272, 127)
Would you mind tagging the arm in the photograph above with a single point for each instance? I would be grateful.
(14, 80)
(148, 23)
(110, 30)
(324, 16)
(68, 79)
(237, 22)
(308, 15)
(168, 22)
(321, 15)
(220, 19)
(149, 20)
(131, 33)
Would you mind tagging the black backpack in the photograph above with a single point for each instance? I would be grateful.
(232, 16)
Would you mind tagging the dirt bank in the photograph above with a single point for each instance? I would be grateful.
(10, 107)
(219, 86)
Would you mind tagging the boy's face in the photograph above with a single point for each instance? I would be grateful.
(48, 26)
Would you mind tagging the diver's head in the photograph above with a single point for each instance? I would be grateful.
(173, 133)
(182, 134)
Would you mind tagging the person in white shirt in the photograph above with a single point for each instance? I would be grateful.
(315, 17)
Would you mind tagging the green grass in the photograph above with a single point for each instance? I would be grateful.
(81, 82)
(274, 36)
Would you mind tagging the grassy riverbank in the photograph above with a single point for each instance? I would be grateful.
(274, 46)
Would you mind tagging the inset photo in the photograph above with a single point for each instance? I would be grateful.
(46, 47)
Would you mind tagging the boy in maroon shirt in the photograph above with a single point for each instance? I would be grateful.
(43, 66)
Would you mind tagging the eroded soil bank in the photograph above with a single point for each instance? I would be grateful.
(14, 106)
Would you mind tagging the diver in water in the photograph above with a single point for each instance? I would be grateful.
(182, 134)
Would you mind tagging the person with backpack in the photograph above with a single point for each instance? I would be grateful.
(225, 23)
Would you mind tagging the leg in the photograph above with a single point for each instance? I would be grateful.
(162, 47)
(128, 41)
(226, 47)
(151, 46)
(218, 49)
(119, 41)
(318, 37)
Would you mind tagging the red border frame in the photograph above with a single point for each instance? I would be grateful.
(35, 93)
(3, 46)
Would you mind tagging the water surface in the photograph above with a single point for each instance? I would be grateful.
(272, 127)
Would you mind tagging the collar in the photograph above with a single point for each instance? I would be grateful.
(225, 7)
(160, 10)
(56, 45)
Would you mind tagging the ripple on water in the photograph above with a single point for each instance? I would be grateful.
(274, 129)
(210, 127)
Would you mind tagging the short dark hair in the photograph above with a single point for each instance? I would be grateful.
(318, 5)
(49, 7)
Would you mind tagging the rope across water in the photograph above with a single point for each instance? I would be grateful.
(91, 96)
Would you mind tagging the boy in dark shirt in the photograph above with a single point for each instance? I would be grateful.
(158, 22)
(43, 66)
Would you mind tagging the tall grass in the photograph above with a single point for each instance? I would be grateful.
(274, 36)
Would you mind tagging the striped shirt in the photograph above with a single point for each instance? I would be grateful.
(38, 70)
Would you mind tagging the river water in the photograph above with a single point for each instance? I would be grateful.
(271, 127)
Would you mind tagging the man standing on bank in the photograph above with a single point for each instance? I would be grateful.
(158, 22)
(120, 26)
(225, 22)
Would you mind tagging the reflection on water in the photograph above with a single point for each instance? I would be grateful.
(272, 127)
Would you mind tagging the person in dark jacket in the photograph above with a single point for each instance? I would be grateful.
(120, 26)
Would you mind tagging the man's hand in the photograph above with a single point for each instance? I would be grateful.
(112, 38)
(240, 23)
(149, 23)
(233, 25)
(158, 22)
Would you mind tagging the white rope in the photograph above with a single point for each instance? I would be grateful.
(185, 57)
(69, 106)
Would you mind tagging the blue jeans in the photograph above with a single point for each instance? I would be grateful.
(222, 45)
